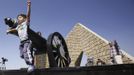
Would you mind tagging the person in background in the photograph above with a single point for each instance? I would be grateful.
(100, 62)
(90, 61)
(3, 63)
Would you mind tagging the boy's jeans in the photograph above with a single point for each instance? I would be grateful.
(26, 52)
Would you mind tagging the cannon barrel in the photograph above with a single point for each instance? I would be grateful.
(10, 22)
(38, 41)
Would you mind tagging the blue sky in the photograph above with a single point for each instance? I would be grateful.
(112, 19)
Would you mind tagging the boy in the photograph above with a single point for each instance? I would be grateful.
(25, 43)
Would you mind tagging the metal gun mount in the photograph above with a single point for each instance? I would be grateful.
(55, 46)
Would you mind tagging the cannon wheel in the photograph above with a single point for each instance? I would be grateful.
(57, 51)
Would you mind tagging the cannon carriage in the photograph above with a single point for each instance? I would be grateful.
(54, 46)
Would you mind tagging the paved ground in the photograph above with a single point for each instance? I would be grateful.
(125, 69)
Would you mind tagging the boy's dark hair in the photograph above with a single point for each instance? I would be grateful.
(23, 15)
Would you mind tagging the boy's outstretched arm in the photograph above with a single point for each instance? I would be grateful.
(28, 11)
(11, 31)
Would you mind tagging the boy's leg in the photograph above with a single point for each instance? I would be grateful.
(21, 50)
(28, 54)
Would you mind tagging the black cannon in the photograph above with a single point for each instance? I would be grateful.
(55, 45)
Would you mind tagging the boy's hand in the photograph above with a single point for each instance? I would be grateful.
(8, 31)
(28, 2)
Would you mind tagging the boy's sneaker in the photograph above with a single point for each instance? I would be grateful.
(30, 68)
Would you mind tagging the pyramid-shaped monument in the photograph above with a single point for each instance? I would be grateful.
(81, 38)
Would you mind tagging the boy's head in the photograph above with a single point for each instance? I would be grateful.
(21, 18)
